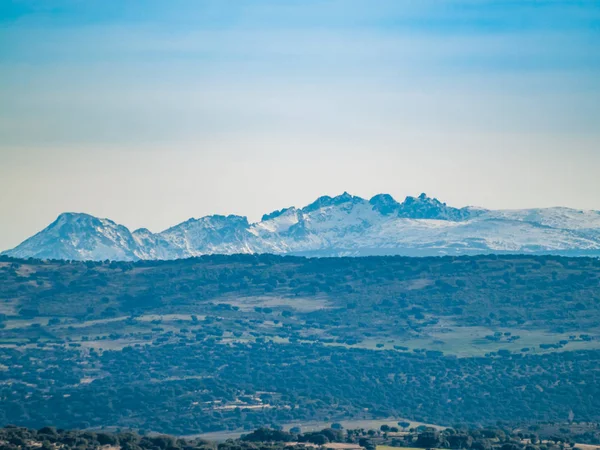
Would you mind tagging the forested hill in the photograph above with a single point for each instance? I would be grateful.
(227, 342)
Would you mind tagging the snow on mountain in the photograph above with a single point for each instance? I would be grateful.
(211, 234)
(566, 218)
(330, 226)
(80, 236)
(277, 221)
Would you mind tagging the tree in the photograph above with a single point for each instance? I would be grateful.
(428, 439)
(404, 424)
(366, 443)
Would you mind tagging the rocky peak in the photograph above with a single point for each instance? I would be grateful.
(326, 200)
(425, 207)
(384, 203)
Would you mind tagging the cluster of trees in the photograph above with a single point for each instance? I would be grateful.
(49, 438)
(46, 438)
(208, 386)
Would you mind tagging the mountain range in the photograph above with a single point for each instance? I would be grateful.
(344, 225)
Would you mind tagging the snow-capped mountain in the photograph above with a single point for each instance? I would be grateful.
(80, 237)
(330, 226)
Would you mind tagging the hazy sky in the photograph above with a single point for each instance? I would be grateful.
(151, 112)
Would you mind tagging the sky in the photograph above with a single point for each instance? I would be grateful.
(153, 112)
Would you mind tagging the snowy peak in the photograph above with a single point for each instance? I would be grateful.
(219, 234)
(279, 221)
(69, 220)
(421, 207)
(384, 204)
(215, 223)
(326, 201)
(330, 226)
(275, 214)
(424, 207)
(79, 236)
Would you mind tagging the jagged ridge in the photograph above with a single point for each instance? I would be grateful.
(330, 226)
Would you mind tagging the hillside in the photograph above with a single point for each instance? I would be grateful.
(226, 342)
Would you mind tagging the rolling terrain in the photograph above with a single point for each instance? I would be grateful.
(227, 343)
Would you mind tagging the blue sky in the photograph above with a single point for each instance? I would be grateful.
(153, 112)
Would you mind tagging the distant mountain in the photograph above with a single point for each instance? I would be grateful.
(80, 236)
(344, 225)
